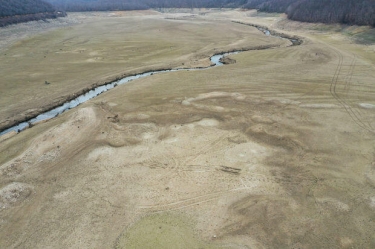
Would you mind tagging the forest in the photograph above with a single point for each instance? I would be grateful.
(17, 11)
(90, 5)
(351, 12)
(22, 7)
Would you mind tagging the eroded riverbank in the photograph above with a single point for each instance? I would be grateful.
(71, 101)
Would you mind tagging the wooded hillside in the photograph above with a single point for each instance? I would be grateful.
(89, 5)
(16, 11)
(24, 7)
(279, 6)
(352, 12)
(358, 12)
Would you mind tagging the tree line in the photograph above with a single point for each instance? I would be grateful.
(17, 11)
(352, 12)
(359, 12)
(100, 5)
(23, 7)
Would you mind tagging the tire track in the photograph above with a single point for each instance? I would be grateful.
(344, 103)
(182, 203)
(244, 184)
(348, 85)
(204, 149)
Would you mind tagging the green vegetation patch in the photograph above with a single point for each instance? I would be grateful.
(359, 34)
(366, 37)
(167, 231)
(267, 14)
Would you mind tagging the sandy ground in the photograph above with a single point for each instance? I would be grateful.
(84, 50)
(274, 151)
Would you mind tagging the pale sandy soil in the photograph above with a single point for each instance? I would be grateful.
(274, 151)
(84, 50)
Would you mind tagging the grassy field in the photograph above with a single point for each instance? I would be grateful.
(274, 151)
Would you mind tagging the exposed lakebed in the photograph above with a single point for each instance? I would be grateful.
(216, 60)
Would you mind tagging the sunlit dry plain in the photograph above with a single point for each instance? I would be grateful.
(102, 47)
(273, 151)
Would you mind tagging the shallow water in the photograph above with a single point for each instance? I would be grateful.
(215, 59)
(97, 91)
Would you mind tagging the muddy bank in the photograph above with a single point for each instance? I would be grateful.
(33, 113)
(57, 107)
(29, 118)
(296, 40)
(227, 60)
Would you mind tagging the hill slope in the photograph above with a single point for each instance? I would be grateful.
(89, 5)
(24, 7)
(353, 12)
(16, 11)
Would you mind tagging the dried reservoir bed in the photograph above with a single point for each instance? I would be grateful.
(273, 151)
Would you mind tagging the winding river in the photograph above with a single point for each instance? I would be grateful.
(215, 60)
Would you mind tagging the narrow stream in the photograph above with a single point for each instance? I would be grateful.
(99, 90)
(216, 60)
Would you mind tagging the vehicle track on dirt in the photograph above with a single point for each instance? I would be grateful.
(204, 149)
(354, 114)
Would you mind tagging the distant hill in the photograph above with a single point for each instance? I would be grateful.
(353, 12)
(23, 7)
(16, 11)
(359, 12)
(98, 5)
(279, 6)
(90, 5)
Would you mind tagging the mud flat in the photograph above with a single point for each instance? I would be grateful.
(53, 110)
(75, 50)
(273, 151)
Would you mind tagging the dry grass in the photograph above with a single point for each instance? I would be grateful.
(104, 47)
(290, 120)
